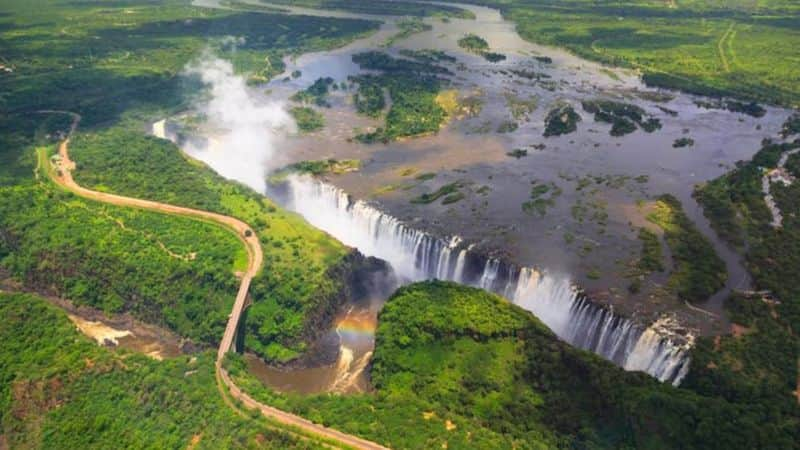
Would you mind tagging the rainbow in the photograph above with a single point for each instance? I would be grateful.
(353, 328)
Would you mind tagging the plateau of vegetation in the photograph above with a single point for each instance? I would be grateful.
(59, 389)
(683, 142)
(561, 120)
(308, 119)
(465, 368)
(622, 116)
(697, 272)
(735, 206)
(170, 271)
(734, 203)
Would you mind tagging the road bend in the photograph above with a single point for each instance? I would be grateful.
(62, 175)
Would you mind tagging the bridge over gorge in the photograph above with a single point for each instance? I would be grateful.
(59, 169)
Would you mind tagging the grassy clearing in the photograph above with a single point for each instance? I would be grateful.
(448, 101)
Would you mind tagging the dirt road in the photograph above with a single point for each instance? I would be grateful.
(62, 175)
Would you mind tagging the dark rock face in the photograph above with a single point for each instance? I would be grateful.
(356, 280)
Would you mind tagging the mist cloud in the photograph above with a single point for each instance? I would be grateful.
(241, 140)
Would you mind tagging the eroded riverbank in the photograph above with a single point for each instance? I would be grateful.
(117, 330)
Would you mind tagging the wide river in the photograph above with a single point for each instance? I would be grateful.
(588, 234)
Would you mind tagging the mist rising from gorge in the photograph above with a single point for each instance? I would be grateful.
(242, 127)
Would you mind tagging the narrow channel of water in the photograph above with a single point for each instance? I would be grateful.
(355, 333)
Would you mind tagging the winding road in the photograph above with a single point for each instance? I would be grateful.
(62, 175)
(766, 183)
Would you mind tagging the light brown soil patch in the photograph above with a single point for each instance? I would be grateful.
(739, 330)
(98, 331)
(195, 440)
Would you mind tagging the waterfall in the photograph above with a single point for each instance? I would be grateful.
(417, 256)
(160, 129)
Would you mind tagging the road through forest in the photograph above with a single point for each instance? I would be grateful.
(63, 176)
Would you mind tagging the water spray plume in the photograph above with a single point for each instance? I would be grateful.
(241, 143)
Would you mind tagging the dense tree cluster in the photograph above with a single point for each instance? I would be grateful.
(292, 291)
(413, 87)
(449, 354)
(58, 389)
(622, 116)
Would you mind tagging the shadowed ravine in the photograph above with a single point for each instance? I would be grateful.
(659, 349)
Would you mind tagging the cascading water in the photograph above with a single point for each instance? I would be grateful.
(417, 256)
